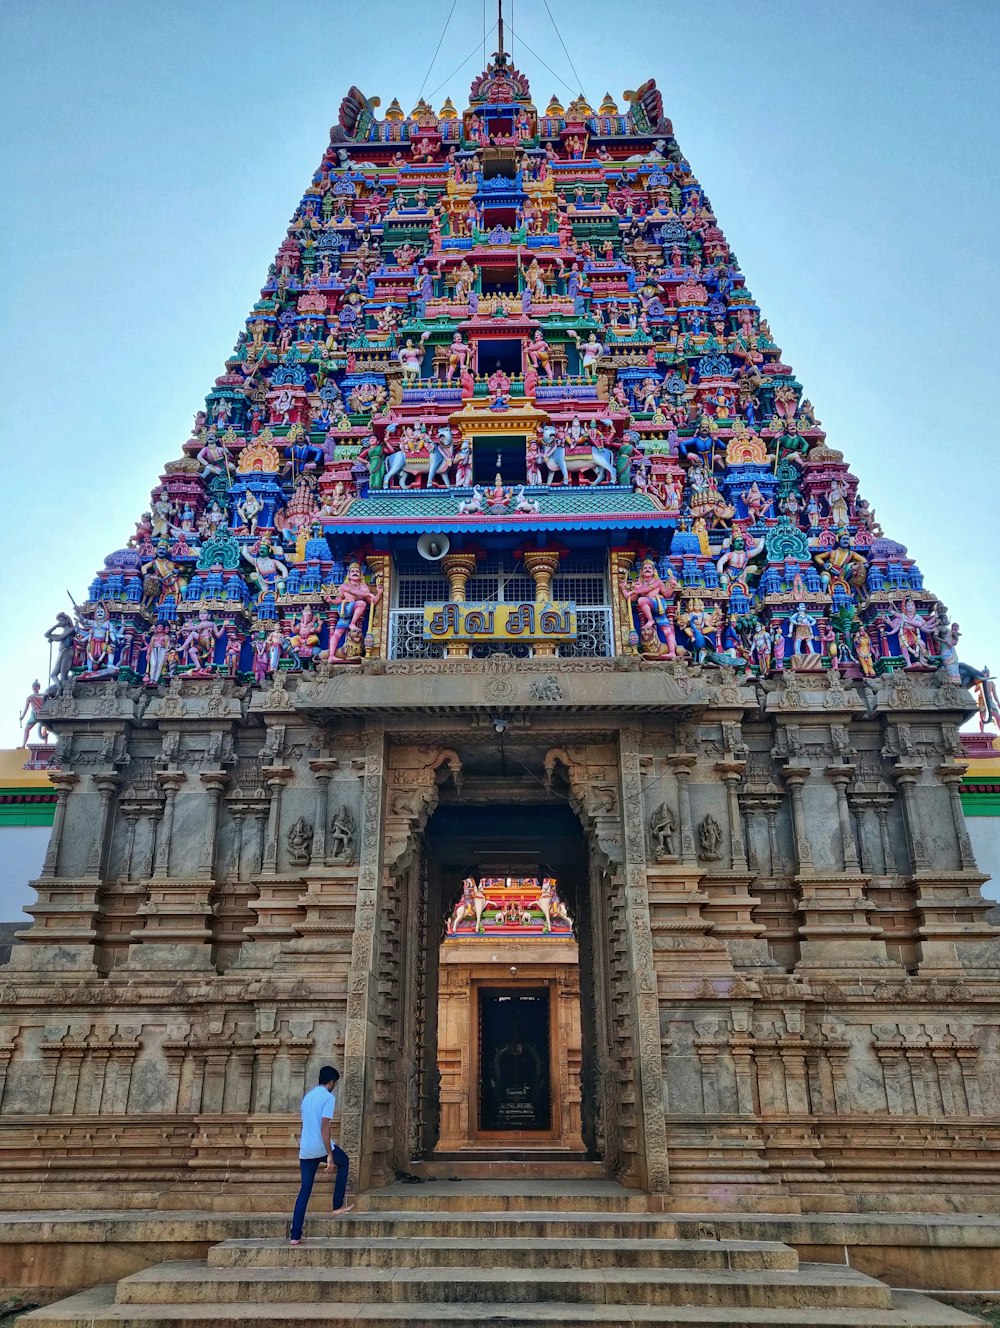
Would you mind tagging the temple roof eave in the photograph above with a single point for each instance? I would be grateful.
(502, 525)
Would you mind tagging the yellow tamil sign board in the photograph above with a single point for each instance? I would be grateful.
(500, 622)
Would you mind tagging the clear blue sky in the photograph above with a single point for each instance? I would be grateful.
(152, 154)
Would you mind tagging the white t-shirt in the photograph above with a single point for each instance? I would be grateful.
(317, 1106)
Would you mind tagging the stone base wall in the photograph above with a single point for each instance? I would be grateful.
(797, 994)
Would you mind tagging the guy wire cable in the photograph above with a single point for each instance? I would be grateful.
(436, 49)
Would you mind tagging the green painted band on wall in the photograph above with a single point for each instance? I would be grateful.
(22, 813)
(981, 804)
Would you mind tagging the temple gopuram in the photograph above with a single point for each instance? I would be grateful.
(510, 697)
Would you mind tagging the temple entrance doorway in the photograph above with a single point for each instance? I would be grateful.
(508, 1061)
(514, 1081)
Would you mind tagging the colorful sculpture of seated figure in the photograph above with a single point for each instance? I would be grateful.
(701, 442)
(269, 573)
(351, 601)
(652, 598)
(842, 565)
(198, 646)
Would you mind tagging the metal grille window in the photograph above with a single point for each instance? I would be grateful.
(581, 579)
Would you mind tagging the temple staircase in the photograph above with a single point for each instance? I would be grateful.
(490, 1252)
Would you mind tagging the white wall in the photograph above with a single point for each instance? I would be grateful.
(984, 831)
(22, 850)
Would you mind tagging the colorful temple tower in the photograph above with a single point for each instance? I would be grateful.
(508, 673)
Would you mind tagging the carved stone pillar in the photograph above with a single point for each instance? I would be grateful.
(106, 785)
(882, 806)
(63, 781)
(731, 772)
(683, 763)
(840, 777)
(275, 778)
(170, 781)
(323, 768)
(215, 782)
(951, 776)
(7, 1049)
(541, 565)
(397, 797)
(458, 567)
(642, 971)
(906, 778)
(795, 776)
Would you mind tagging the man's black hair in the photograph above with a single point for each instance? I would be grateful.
(328, 1075)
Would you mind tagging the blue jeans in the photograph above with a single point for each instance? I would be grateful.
(309, 1166)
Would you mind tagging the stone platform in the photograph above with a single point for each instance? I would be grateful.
(504, 1252)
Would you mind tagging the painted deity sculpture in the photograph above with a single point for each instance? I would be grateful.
(32, 706)
(350, 605)
(653, 599)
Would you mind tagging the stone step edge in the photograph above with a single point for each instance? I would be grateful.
(96, 1308)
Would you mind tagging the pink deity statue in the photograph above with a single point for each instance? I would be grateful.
(351, 600)
(652, 598)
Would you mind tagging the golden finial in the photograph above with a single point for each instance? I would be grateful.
(447, 111)
(554, 109)
(394, 111)
(608, 105)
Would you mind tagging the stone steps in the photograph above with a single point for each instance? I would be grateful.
(192, 1281)
(506, 1195)
(485, 1168)
(545, 1251)
(402, 1264)
(97, 1309)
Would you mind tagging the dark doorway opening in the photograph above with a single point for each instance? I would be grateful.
(515, 1079)
(508, 455)
(505, 355)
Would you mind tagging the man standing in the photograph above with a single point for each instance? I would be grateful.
(315, 1146)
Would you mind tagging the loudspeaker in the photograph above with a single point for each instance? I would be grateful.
(433, 547)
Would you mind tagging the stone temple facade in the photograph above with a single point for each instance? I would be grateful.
(720, 712)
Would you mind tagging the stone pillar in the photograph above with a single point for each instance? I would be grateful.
(950, 906)
(541, 565)
(951, 776)
(323, 768)
(275, 778)
(458, 567)
(362, 1033)
(731, 905)
(64, 781)
(882, 814)
(106, 785)
(683, 763)
(731, 772)
(131, 815)
(795, 776)
(840, 776)
(215, 782)
(906, 778)
(773, 843)
(643, 990)
(265, 1051)
(170, 781)
(7, 1049)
